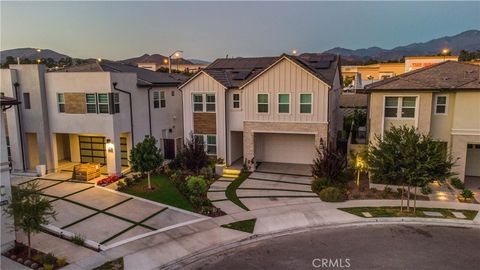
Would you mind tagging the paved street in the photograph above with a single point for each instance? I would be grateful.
(366, 247)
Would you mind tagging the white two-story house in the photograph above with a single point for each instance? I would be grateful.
(265, 109)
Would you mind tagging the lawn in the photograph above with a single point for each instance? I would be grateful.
(164, 191)
(111, 265)
(231, 191)
(395, 212)
(243, 225)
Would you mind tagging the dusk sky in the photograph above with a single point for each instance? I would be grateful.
(208, 30)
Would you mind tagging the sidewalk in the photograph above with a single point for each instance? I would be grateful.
(171, 246)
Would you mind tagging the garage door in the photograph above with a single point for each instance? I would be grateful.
(472, 168)
(285, 148)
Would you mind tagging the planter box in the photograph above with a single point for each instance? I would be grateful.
(219, 169)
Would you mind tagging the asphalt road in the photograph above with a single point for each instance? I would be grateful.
(362, 247)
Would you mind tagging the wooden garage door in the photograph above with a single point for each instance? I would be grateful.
(92, 149)
(285, 148)
(472, 167)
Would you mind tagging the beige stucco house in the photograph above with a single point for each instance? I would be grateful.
(442, 100)
(275, 109)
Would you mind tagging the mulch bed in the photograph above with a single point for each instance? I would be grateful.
(365, 193)
(19, 253)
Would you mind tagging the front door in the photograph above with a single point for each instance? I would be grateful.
(169, 148)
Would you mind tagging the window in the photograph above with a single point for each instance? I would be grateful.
(103, 103)
(391, 106)
(26, 101)
(406, 110)
(209, 142)
(116, 102)
(236, 101)
(162, 99)
(91, 101)
(210, 102)
(173, 93)
(283, 103)
(61, 103)
(305, 103)
(262, 103)
(197, 102)
(408, 107)
(156, 102)
(441, 105)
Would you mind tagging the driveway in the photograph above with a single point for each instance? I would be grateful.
(108, 217)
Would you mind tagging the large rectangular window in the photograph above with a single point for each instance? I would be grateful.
(441, 105)
(197, 102)
(204, 102)
(283, 103)
(91, 101)
(116, 102)
(236, 101)
(400, 107)
(103, 106)
(61, 103)
(306, 103)
(156, 100)
(26, 101)
(262, 103)
(163, 101)
(408, 107)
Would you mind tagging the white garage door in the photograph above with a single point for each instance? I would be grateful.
(285, 148)
(472, 168)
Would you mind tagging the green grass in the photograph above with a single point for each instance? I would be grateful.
(231, 191)
(112, 265)
(395, 212)
(244, 225)
(164, 192)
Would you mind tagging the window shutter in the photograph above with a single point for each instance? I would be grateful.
(111, 105)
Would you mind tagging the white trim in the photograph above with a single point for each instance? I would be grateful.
(436, 104)
(300, 103)
(465, 132)
(268, 103)
(204, 101)
(417, 108)
(239, 101)
(289, 104)
(294, 122)
(58, 102)
(196, 75)
(285, 132)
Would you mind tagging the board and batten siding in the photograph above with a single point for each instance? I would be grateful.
(289, 78)
(205, 84)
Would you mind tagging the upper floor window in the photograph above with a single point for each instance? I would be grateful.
(156, 100)
(91, 101)
(236, 101)
(283, 103)
(305, 103)
(162, 99)
(103, 104)
(406, 110)
(441, 105)
(26, 101)
(204, 102)
(262, 103)
(61, 103)
(116, 102)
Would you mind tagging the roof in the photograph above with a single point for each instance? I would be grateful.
(160, 60)
(145, 77)
(8, 101)
(237, 72)
(446, 75)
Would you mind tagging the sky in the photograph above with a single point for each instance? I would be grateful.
(208, 30)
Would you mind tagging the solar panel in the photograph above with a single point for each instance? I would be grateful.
(241, 75)
(322, 64)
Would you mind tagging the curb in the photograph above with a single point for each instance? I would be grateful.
(197, 256)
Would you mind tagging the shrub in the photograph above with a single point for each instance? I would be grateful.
(426, 190)
(128, 181)
(332, 194)
(121, 185)
(457, 183)
(194, 156)
(208, 172)
(318, 184)
(61, 262)
(38, 258)
(467, 194)
(78, 239)
(196, 185)
(47, 266)
(329, 163)
(49, 259)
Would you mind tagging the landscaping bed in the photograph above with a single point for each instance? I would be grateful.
(362, 193)
(111, 265)
(231, 191)
(243, 225)
(395, 212)
(19, 253)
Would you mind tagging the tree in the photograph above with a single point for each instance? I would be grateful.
(329, 163)
(194, 156)
(407, 158)
(29, 209)
(145, 157)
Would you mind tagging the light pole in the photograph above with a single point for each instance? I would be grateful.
(177, 54)
(445, 52)
(38, 56)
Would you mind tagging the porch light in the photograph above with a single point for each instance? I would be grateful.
(2, 190)
(109, 146)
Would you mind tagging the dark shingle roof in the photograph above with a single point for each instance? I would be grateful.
(145, 77)
(443, 76)
(235, 72)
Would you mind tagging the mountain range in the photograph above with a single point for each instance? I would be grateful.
(468, 40)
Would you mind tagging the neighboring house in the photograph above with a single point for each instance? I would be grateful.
(275, 109)
(90, 113)
(157, 61)
(442, 99)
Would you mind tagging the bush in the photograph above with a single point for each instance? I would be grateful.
(208, 172)
(47, 266)
(467, 194)
(332, 194)
(61, 262)
(318, 184)
(329, 163)
(49, 259)
(128, 181)
(196, 185)
(78, 239)
(426, 190)
(121, 186)
(457, 183)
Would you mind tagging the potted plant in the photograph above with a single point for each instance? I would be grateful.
(219, 166)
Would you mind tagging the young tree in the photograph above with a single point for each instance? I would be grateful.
(29, 210)
(407, 158)
(328, 163)
(194, 156)
(145, 157)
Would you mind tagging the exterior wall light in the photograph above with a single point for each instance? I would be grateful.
(2, 190)
(109, 146)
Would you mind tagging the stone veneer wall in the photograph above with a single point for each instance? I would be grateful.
(320, 130)
(75, 103)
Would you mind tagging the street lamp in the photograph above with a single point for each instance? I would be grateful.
(445, 52)
(177, 55)
(294, 51)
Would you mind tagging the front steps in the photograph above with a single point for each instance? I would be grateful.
(231, 173)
